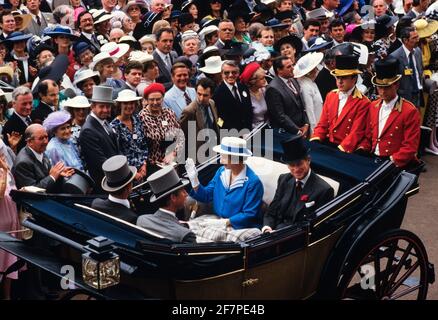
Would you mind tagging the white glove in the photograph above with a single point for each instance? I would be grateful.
(192, 173)
(216, 223)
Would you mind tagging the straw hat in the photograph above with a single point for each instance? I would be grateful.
(86, 74)
(127, 95)
(426, 28)
(140, 56)
(233, 146)
(307, 63)
(101, 57)
(116, 50)
(21, 20)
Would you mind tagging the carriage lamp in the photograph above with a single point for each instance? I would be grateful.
(100, 265)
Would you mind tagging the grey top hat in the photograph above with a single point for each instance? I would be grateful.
(102, 94)
(117, 173)
(164, 182)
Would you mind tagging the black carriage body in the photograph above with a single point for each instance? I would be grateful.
(301, 261)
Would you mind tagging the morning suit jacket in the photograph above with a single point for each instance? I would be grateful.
(96, 147)
(94, 44)
(286, 110)
(165, 76)
(14, 124)
(166, 225)
(407, 82)
(290, 206)
(232, 113)
(41, 112)
(348, 129)
(29, 171)
(193, 113)
(34, 28)
(114, 209)
(174, 99)
(400, 137)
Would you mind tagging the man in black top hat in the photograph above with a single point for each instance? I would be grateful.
(299, 193)
(118, 182)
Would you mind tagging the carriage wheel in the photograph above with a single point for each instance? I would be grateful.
(396, 267)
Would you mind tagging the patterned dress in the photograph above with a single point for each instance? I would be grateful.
(133, 143)
(161, 132)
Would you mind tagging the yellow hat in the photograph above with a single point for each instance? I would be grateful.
(426, 28)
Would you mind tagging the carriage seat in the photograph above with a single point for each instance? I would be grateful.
(268, 171)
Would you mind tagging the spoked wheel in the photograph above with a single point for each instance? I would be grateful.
(396, 267)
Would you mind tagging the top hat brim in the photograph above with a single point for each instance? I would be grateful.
(182, 184)
(343, 73)
(107, 188)
(102, 101)
(286, 158)
(385, 82)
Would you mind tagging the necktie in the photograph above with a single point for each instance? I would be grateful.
(168, 63)
(188, 100)
(299, 186)
(107, 127)
(236, 94)
(208, 118)
(28, 120)
(414, 71)
(38, 20)
(291, 85)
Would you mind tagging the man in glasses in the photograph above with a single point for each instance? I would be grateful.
(232, 100)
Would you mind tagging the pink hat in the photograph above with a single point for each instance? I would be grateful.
(76, 12)
(154, 87)
(350, 28)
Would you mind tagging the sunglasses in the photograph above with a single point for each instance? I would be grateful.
(234, 72)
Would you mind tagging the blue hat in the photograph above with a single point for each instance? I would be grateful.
(17, 36)
(175, 14)
(318, 43)
(59, 30)
(344, 6)
(275, 23)
(80, 47)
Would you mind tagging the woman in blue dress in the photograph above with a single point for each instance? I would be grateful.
(236, 191)
(130, 131)
(61, 146)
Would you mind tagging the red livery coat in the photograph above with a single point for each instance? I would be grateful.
(347, 130)
(400, 137)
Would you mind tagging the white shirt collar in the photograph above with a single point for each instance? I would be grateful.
(161, 54)
(303, 181)
(124, 202)
(238, 181)
(406, 50)
(87, 35)
(97, 118)
(390, 104)
(230, 87)
(169, 212)
(181, 91)
(34, 15)
(346, 94)
(39, 156)
(21, 117)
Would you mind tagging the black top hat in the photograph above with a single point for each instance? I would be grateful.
(386, 72)
(185, 18)
(346, 65)
(78, 183)
(294, 149)
(237, 49)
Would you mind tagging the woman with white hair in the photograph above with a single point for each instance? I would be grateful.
(305, 71)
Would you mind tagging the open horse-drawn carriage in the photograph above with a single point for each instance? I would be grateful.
(353, 247)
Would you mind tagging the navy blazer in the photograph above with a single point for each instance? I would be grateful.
(233, 113)
(96, 147)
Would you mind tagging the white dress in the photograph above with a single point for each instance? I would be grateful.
(312, 100)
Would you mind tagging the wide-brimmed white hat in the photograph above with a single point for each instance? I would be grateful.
(84, 75)
(77, 102)
(127, 95)
(233, 146)
(100, 57)
(100, 16)
(307, 63)
(213, 65)
(140, 56)
(116, 50)
(208, 30)
(139, 3)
